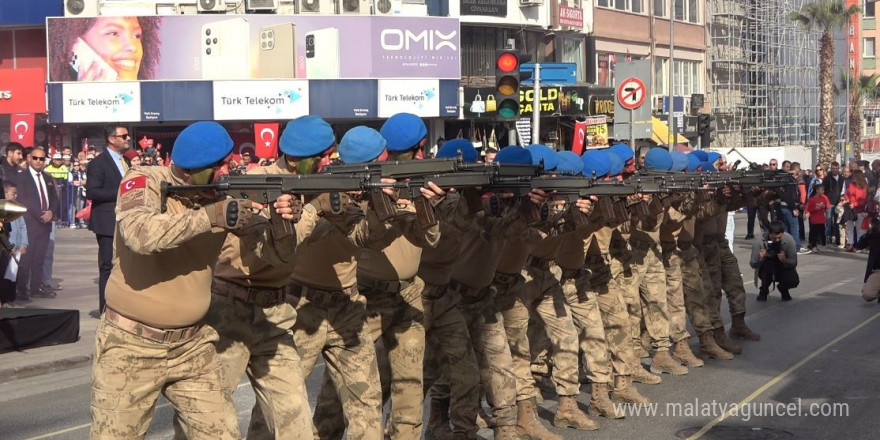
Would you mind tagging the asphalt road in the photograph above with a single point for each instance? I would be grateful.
(817, 356)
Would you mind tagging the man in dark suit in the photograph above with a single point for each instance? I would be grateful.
(37, 192)
(102, 184)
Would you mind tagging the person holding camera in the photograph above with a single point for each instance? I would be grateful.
(774, 259)
(871, 242)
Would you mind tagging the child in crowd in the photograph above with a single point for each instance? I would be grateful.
(817, 206)
(19, 240)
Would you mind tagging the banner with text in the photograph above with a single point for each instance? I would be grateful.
(260, 99)
(101, 102)
(420, 97)
(240, 47)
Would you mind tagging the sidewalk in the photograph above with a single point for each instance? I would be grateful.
(76, 269)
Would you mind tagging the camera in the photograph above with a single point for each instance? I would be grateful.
(773, 249)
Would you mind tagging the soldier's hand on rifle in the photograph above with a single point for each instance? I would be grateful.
(538, 196)
(726, 191)
(231, 214)
(392, 192)
(634, 198)
(288, 207)
(433, 192)
(327, 204)
(586, 205)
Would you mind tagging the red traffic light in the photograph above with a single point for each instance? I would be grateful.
(508, 62)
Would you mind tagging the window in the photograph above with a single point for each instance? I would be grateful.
(623, 5)
(868, 8)
(688, 77)
(686, 10)
(660, 8)
(869, 51)
(573, 52)
(607, 62)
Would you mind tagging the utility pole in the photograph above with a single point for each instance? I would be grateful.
(672, 136)
(536, 107)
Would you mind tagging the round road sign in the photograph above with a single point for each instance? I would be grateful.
(631, 93)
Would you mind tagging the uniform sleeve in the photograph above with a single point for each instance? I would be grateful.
(143, 228)
(259, 237)
(408, 223)
(454, 214)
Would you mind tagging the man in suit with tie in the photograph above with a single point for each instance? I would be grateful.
(37, 192)
(102, 184)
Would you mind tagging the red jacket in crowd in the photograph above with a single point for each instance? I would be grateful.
(816, 207)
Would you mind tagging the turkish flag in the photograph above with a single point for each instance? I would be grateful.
(21, 129)
(266, 139)
(580, 135)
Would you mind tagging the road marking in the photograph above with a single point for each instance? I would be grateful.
(86, 425)
(778, 378)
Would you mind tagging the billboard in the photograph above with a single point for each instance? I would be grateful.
(243, 47)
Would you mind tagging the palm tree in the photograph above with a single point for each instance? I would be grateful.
(860, 91)
(825, 16)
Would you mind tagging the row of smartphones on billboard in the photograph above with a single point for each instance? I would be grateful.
(251, 47)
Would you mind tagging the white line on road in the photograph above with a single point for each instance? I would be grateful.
(778, 378)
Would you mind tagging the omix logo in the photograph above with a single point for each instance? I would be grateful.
(428, 39)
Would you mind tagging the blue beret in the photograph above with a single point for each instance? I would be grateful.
(712, 157)
(569, 163)
(306, 136)
(361, 144)
(453, 147)
(201, 145)
(623, 151)
(596, 162)
(514, 155)
(658, 159)
(542, 152)
(616, 164)
(700, 155)
(693, 163)
(403, 131)
(679, 161)
(706, 166)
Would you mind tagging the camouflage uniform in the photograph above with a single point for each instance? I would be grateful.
(731, 278)
(707, 239)
(395, 314)
(150, 340)
(692, 279)
(649, 284)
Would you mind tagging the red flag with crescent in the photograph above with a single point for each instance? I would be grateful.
(266, 139)
(21, 129)
(580, 136)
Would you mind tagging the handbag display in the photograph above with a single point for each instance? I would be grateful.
(479, 106)
(492, 142)
(491, 104)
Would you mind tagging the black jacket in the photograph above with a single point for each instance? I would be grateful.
(29, 196)
(870, 241)
(833, 187)
(102, 186)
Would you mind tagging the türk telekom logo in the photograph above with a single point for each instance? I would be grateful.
(428, 40)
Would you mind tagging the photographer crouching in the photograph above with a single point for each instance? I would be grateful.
(774, 259)
(871, 241)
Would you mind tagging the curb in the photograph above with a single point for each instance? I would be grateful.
(40, 368)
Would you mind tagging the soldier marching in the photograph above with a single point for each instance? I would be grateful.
(477, 290)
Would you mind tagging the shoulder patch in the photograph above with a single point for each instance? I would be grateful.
(132, 192)
(133, 183)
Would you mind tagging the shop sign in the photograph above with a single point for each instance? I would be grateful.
(488, 8)
(569, 16)
(260, 99)
(22, 91)
(419, 97)
(101, 102)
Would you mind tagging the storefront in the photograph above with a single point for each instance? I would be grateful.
(23, 116)
(561, 107)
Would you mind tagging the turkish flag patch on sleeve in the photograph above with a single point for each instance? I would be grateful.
(132, 184)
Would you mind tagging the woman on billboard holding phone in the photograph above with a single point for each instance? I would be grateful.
(104, 48)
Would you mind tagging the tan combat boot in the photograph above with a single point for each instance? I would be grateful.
(739, 329)
(600, 402)
(641, 375)
(723, 342)
(709, 348)
(569, 415)
(528, 425)
(438, 420)
(626, 392)
(662, 362)
(682, 351)
(506, 433)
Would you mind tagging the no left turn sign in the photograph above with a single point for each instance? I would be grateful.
(631, 93)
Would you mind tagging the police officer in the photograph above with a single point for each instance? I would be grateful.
(150, 339)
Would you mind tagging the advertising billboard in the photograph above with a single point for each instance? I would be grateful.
(250, 47)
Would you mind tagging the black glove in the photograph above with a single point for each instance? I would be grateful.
(230, 213)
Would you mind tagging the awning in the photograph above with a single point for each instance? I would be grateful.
(660, 133)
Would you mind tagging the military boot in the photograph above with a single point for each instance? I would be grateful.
(438, 421)
(600, 402)
(626, 392)
(682, 351)
(739, 329)
(528, 425)
(723, 342)
(709, 348)
(506, 433)
(641, 375)
(568, 415)
(662, 362)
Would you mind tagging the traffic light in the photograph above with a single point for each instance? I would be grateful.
(706, 127)
(507, 79)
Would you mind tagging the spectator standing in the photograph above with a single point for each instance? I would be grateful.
(78, 183)
(817, 207)
(871, 242)
(855, 197)
(19, 241)
(102, 184)
(833, 184)
(37, 192)
(801, 179)
(11, 168)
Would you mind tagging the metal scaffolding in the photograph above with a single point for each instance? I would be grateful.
(763, 74)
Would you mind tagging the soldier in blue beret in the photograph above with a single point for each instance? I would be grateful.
(406, 135)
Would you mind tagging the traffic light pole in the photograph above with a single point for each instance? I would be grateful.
(536, 107)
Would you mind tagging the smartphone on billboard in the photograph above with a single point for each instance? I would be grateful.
(278, 51)
(226, 49)
(83, 56)
(322, 53)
